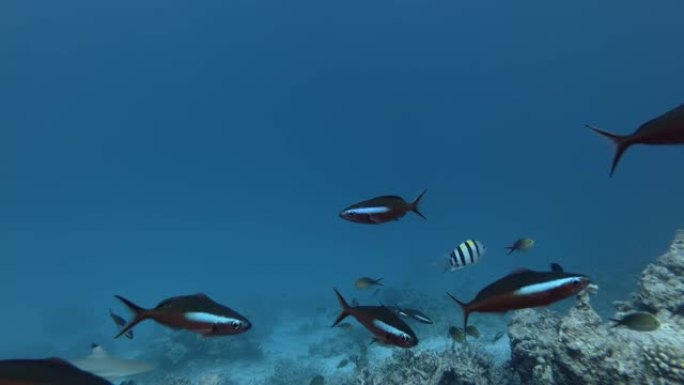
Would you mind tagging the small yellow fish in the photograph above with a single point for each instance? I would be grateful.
(473, 331)
(641, 321)
(366, 282)
(522, 244)
(457, 334)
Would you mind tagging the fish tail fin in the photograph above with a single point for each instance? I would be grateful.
(446, 265)
(466, 311)
(377, 282)
(511, 249)
(346, 309)
(617, 322)
(621, 142)
(416, 202)
(140, 314)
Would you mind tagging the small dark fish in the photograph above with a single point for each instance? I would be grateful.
(197, 313)
(366, 282)
(413, 314)
(667, 128)
(641, 321)
(50, 371)
(317, 380)
(456, 334)
(523, 289)
(556, 268)
(385, 326)
(381, 209)
(120, 322)
(522, 244)
(497, 336)
(345, 325)
(473, 331)
(342, 363)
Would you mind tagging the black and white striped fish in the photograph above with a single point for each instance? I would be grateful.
(467, 253)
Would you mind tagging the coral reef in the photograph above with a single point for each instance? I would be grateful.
(464, 365)
(291, 371)
(168, 379)
(180, 347)
(581, 349)
(661, 286)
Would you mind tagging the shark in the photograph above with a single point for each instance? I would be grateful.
(103, 364)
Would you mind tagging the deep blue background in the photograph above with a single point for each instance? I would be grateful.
(175, 147)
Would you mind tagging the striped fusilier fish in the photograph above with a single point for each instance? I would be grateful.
(381, 209)
(196, 312)
(667, 128)
(523, 289)
(387, 328)
(467, 253)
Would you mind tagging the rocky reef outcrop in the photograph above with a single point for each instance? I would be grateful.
(581, 348)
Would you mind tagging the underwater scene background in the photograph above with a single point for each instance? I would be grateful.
(162, 148)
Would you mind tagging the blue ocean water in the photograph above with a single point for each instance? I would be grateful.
(159, 148)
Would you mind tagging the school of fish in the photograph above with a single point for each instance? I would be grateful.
(198, 313)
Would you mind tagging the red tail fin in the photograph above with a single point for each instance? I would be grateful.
(140, 314)
(414, 204)
(345, 309)
(622, 142)
(466, 312)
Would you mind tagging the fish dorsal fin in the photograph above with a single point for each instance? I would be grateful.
(391, 197)
(97, 351)
(181, 298)
(556, 268)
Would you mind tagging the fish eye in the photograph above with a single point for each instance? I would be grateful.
(576, 282)
(404, 337)
(236, 324)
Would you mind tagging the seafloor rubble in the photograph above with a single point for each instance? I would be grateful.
(547, 347)
(580, 348)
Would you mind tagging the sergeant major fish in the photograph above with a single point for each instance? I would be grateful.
(667, 128)
(523, 289)
(385, 326)
(197, 313)
(467, 253)
(381, 209)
